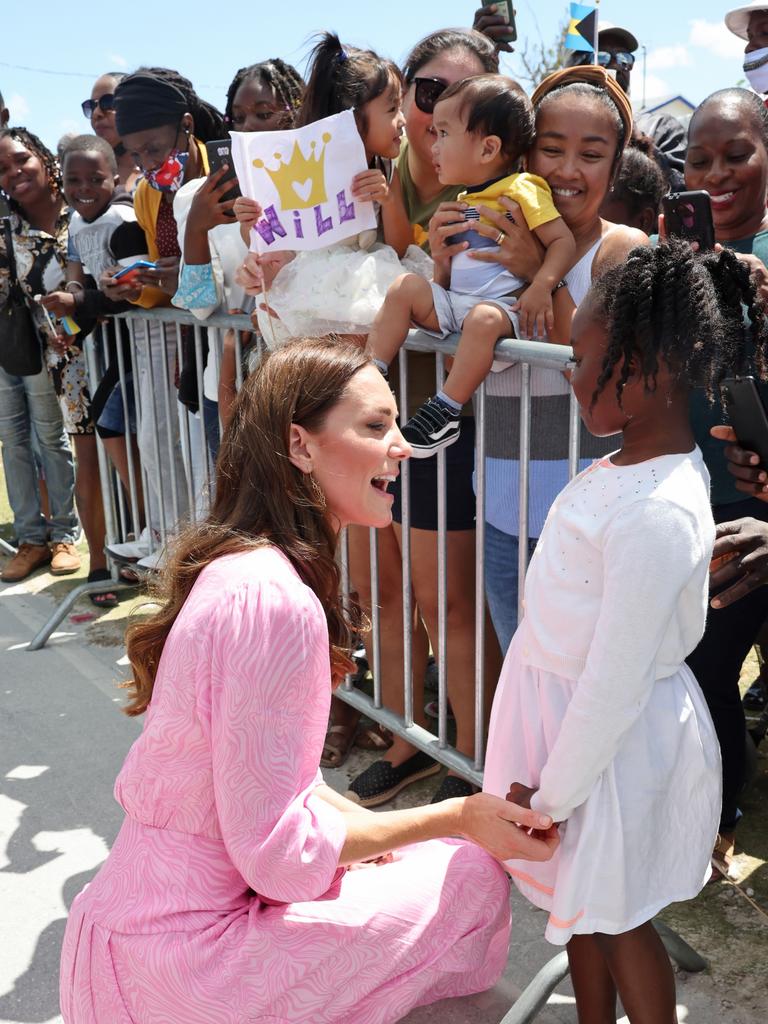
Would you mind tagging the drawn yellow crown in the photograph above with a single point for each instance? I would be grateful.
(301, 182)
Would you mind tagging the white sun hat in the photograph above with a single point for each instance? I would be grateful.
(737, 20)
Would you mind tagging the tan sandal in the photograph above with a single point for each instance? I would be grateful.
(338, 743)
(374, 737)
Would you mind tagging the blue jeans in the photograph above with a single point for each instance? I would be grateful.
(502, 582)
(27, 404)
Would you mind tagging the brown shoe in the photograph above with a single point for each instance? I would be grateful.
(65, 558)
(28, 558)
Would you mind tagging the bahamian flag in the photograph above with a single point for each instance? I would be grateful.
(582, 28)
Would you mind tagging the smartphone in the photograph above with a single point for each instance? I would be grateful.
(688, 215)
(220, 153)
(505, 10)
(129, 274)
(747, 415)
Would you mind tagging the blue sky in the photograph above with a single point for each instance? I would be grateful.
(689, 50)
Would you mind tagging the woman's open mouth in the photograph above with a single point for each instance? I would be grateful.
(381, 483)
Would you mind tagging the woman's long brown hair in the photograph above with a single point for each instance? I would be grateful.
(262, 498)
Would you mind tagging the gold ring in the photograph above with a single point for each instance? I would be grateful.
(500, 238)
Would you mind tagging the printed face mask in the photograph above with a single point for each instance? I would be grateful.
(169, 177)
(756, 69)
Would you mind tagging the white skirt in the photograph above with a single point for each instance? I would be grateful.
(337, 290)
(644, 837)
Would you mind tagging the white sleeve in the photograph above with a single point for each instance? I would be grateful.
(651, 551)
(201, 302)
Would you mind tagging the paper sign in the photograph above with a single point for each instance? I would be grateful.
(302, 178)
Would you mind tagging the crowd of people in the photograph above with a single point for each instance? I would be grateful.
(498, 215)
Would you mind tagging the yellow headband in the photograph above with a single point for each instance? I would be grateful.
(591, 74)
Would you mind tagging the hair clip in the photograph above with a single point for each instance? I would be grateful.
(342, 55)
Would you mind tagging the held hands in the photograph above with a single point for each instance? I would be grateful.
(493, 824)
(447, 221)
(535, 309)
(739, 558)
(371, 186)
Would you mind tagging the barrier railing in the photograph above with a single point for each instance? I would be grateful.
(175, 471)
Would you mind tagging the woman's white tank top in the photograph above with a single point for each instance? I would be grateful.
(579, 277)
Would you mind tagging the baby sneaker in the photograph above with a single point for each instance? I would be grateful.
(433, 427)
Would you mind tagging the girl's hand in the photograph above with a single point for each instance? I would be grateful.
(207, 209)
(59, 341)
(247, 211)
(164, 276)
(492, 823)
(740, 557)
(370, 186)
(59, 303)
(119, 291)
(448, 220)
(751, 476)
(257, 272)
(520, 251)
(536, 314)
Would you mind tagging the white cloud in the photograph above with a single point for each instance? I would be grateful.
(667, 57)
(655, 88)
(117, 60)
(715, 37)
(18, 107)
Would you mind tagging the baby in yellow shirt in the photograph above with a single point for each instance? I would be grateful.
(483, 126)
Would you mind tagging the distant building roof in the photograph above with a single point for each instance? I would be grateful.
(665, 101)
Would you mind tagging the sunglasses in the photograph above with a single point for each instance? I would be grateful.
(427, 92)
(105, 103)
(622, 59)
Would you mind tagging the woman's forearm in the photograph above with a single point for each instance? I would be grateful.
(371, 835)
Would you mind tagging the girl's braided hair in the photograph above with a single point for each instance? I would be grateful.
(41, 151)
(209, 122)
(282, 78)
(686, 309)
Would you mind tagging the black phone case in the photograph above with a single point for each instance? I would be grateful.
(220, 153)
(746, 414)
(688, 215)
(510, 35)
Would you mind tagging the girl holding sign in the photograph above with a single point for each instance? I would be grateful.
(339, 288)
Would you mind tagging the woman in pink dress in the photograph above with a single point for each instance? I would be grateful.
(230, 894)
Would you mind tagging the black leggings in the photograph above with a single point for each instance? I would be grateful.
(717, 661)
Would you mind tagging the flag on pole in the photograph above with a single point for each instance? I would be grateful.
(582, 28)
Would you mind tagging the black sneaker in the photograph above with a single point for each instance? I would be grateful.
(433, 427)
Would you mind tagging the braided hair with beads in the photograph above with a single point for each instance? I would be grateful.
(35, 145)
(282, 78)
(686, 309)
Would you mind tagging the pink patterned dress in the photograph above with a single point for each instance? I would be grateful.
(222, 901)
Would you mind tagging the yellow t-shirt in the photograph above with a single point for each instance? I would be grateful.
(529, 191)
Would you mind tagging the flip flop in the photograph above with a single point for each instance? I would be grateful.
(105, 598)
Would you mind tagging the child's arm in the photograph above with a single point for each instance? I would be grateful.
(536, 304)
(652, 552)
(372, 186)
(65, 302)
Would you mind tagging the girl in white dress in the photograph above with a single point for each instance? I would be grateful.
(340, 288)
(597, 720)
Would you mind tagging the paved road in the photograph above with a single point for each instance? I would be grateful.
(62, 741)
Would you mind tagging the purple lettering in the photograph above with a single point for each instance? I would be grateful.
(323, 224)
(270, 226)
(346, 210)
(298, 229)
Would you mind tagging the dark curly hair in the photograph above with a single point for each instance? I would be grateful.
(686, 309)
(282, 78)
(31, 142)
(639, 181)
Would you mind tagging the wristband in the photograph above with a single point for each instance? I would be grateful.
(559, 285)
(73, 287)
